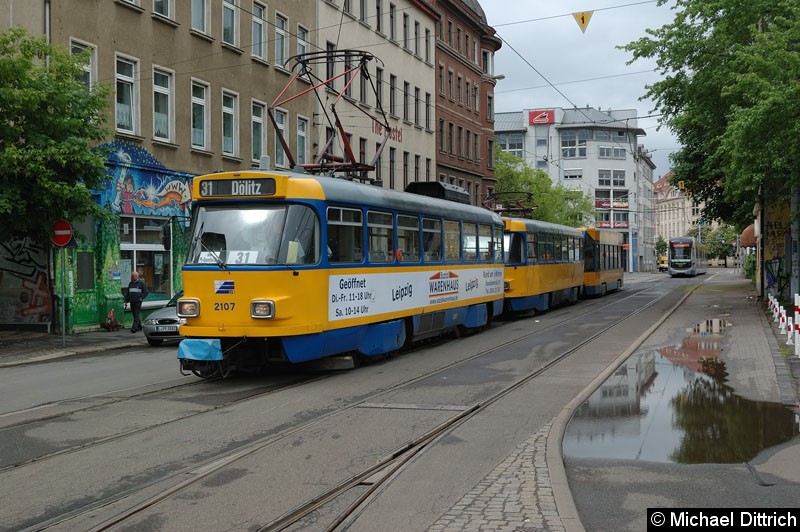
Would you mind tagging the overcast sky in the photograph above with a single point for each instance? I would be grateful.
(585, 68)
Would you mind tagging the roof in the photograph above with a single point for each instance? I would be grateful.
(509, 122)
(595, 118)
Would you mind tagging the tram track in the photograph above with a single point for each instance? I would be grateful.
(383, 469)
(108, 399)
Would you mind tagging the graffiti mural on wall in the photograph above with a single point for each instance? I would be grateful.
(140, 184)
(24, 290)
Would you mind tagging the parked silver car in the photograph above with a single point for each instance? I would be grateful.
(162, 324)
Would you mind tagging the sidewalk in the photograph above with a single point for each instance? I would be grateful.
(23, 347)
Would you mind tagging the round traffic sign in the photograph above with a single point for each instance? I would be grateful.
(62, 233)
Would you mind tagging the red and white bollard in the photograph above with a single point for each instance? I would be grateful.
(789, 332)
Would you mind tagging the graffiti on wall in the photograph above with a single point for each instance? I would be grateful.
(777, 230)
(140, 184)
(24, 290)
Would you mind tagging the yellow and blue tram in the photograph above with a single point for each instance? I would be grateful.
(602, 261)
(286, 266)
(544, 264)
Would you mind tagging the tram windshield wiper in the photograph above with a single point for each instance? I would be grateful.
(215, 237)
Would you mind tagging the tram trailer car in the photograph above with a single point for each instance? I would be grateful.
(544, 265)
(290, 267)
(687, 258)
(602, 261)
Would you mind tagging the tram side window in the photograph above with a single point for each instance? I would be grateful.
(452, 241)
(546, 248)
(589, 256)
(345, 235)
(484, 242)
(380, 236)
(469, 234)
(532, 247)
(408, 238)
(497, 240)
(432, 239)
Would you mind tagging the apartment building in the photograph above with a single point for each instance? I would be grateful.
(598, 153)
(193, 82)
(397, 38)
(677, 212)
(465, 81)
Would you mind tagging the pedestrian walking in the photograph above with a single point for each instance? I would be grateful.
(137, 291)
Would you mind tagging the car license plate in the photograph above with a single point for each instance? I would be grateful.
(166, 328)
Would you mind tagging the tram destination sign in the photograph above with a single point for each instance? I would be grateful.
(238, 187)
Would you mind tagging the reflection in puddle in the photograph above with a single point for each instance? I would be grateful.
(671, 405)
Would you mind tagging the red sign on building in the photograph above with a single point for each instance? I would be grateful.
(541, 116)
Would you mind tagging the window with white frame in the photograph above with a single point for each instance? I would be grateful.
(618, 178)
(257, 131)
(392, 17)
(417, 99)
(302, 46)
(200, 15)
(609, 152)
(302, 140)
(163, 106)
(416, 38)
(379, 87)
(573, 143)
(280, 40)
(163, 8)
(405, 31)
(573, 173)
(230, 22)
(259, 37)
(428, 110)
(88, 77)
(230, 123)
(280, 121)
(126, 107)
(604, 178)
(200, 114)
(392, 95)
(378, 16)
(427, 45)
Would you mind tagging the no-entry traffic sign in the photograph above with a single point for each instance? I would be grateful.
(62, 233)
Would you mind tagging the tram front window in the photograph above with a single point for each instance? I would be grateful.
(236, 235)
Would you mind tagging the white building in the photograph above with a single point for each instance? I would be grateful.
(597, 152)
(400, 34)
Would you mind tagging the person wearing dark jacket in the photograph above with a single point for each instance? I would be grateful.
(137, 291)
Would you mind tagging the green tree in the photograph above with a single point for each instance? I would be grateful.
(661, 246)
(48, 118)
(517, 181)
(718, 242)
(730, 90)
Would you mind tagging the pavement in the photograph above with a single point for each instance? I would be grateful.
(529, 490)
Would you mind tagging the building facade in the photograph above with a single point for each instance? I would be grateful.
(677, 212)
(395, 97)
(193, 82)
(598, 153)
(465, 81)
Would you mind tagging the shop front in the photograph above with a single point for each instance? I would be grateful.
(147, 230)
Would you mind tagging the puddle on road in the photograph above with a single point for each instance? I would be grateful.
(671, 405)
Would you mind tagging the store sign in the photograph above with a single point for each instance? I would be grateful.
(541, 116)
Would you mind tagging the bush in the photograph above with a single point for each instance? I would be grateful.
(750, 266)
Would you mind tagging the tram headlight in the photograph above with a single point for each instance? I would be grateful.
(188, 308)
(262, 309)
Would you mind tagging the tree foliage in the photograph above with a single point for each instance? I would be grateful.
(48, 118)
(730, 90)
(719, 242)
(549, 203)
